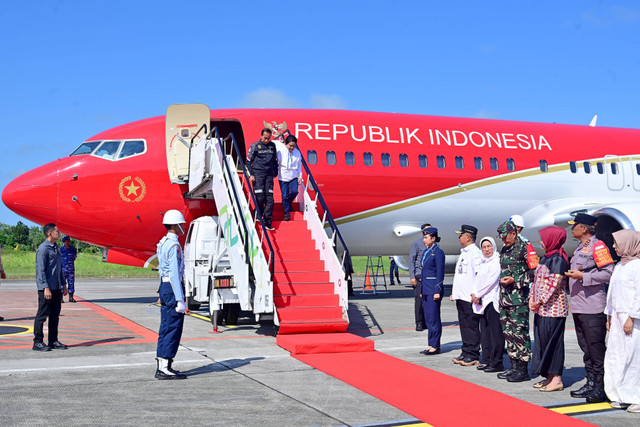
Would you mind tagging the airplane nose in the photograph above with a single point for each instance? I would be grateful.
(34, 195)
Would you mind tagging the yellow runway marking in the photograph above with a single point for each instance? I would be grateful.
(587, 407)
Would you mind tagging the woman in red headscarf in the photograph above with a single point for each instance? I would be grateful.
(548, 300)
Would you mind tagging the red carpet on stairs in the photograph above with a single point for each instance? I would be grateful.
(435, 398)
(304, 297)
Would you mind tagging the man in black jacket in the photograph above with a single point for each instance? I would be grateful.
(262, 163)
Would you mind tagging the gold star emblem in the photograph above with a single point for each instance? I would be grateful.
(132, 188)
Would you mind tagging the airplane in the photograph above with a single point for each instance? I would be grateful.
(382, 176)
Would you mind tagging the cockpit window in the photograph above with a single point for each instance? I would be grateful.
(131, 148)
(108, 149)
(85, 148)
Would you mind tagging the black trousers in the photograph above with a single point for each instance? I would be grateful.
(491, 337)
(263, 187)
(469, 329)
(547, 357)
(591, 330)
(47, 308)
(418, 304)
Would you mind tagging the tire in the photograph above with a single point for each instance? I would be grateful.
(191, 304)
(231, 314)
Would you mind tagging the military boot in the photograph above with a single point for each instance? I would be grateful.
(521, 373)
(163, 373)
(598, 394)
(586, 389)
(504, 375)
(170, 368)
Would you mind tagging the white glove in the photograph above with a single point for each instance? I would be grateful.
(181, 308)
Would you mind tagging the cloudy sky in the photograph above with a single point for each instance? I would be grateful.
(70, 69)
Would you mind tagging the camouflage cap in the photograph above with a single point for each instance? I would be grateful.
(505, 228)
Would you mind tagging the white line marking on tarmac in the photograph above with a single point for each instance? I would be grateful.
(76, 368)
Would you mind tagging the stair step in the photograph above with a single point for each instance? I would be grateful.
(294, 244)
(302, 288)
(294, 266)
(324, 343)
(294, 255)
(308, 313)
(314, 327)
(306, 277)
(326, 300)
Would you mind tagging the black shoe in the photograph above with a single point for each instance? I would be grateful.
(162, 376)
(491, 369)
(71, 299)
(57, 345)
(269, 227)
(1, 318)
(482, 367)
(597, 395)
(586, 389)
(431, 353)
(458, 359)
(62, 300)
(40, 346)
(419, 327)
(520, 373)
(287, 216)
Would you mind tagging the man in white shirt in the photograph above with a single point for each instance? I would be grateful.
(463, 287)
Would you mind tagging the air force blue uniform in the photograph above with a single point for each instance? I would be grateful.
(68, 256)
(433, 283)
(171, 290)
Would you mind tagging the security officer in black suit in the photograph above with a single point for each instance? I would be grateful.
(262, 163)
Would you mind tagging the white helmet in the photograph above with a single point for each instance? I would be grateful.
(517, 220)
(173, 217)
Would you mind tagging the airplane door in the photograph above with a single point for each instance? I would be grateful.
(634, 162)
(182, 123)
(614, 171)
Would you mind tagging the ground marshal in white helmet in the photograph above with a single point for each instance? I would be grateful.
(519, 222)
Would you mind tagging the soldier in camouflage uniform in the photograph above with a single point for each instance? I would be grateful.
(515, 278)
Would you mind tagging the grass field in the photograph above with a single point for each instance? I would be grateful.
(21, 265)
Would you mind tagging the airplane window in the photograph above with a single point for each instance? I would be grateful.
(404, 160)
(386, 159)
(422, 160)
(350, 158)
(544, 167)
(587, 167)
(638, 168)
(440, 161)
(600, 167)
(85, 148)
(108, 150)
(459, 162)
(312, 157)
(368, 159)
(614, 168)
(511, 164)
(331, 157)
(573, 167)
(493, 162)
(131, 148)
(477, 161)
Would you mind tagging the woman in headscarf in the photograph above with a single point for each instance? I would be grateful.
(622, 358)
(486, 303)
(548, 300)
(432, 288)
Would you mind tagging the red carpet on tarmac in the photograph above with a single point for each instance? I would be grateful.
(433, 397)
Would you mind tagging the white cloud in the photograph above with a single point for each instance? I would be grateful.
(268, 98)
(328, 102)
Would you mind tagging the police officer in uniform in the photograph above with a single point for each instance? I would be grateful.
(515, 279)
(591, 269)
(68, 254)
(262, 163)
(171, 290)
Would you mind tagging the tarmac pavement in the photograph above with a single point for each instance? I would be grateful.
(236, 378)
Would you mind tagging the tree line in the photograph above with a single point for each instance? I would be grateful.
(21, 237)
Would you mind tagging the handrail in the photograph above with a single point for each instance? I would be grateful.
(327, 214)
(258, 213)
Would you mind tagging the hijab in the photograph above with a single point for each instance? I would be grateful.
(553, 238)
(495, 249)
(628, 243)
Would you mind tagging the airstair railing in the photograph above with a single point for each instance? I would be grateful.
(258, 213)
(336, 236)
